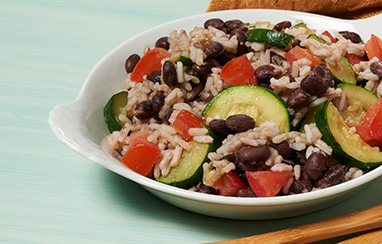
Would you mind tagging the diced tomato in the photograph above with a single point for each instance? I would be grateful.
(237, 71)
(141, 154)
(332, 39)
(253, 80)
(373, 47)
(298, 52)
(267, 183)
(229, 184)
(370, 128)
(186, 120)
(151, 61)
(138, 137)
(355, 59)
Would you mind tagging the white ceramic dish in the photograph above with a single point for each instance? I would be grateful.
(80, 124)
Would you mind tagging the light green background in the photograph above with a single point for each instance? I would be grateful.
(49, 193)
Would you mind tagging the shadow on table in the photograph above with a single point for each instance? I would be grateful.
(139, 199)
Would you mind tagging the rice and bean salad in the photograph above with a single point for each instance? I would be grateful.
(175, 84)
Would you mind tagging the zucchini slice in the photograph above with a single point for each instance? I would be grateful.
(190, 168)
(270, 37)
(348, 147)
(359, 99)
(319, 39)
(184, 59)
(113, 108)
(303, 25)
(258, 102)
(343, 72)
(308, 119)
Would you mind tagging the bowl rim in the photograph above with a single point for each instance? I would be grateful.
(179, 192)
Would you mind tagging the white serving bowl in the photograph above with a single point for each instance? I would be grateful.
(80, 124)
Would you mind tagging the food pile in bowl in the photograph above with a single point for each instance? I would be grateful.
(250, 109)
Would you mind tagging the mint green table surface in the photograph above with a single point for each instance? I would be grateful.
(51, 194)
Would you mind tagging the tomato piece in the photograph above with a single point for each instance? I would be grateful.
(186, 120)
(355, 59)
(298, 52)
(141, 154)
(151, 61)
(229, 184)
(267, 183)
(332, 39)
(373, 47)
(370, 128)
(253, 80)
(237, 71)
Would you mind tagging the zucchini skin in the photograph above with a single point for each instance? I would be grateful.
(198, 174)
(109, 113)
(270, 37)
(339, 154)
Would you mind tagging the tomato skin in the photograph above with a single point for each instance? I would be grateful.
(141, 154)
(355, 59)
(370, 128)
(229, 184)
(186, 120)
(373, 47)
(237, 71)
(298, 52)
(332, 39)
(150, 61)
(267, 183)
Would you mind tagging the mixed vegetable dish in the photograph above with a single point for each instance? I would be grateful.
(250, 109)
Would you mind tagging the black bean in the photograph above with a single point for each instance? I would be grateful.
(229, 157)
(240, 123)
(203, 69)
(154, 76)
(298, 99)
(376, 68)
(168, 114)
(215, 22)
(315, 165)
(352, 36)
(333, 176)
(288, 162)
(300, 157)
(282, 25)
(250, 154)
(241, 37)
(144, 110)
(324, 73)
(245, 192)
(218, 126)
(213, 49)
(265, 73)
(247, 166)
(169, 76)
(314, 85)
(200, 187)
(158, 101)
(224, 57)
(277, 59)
(284, 149)
(240, 34)
(163, 43)
(302, 184)
(235, 24)
(131, 61)
(296, 42)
